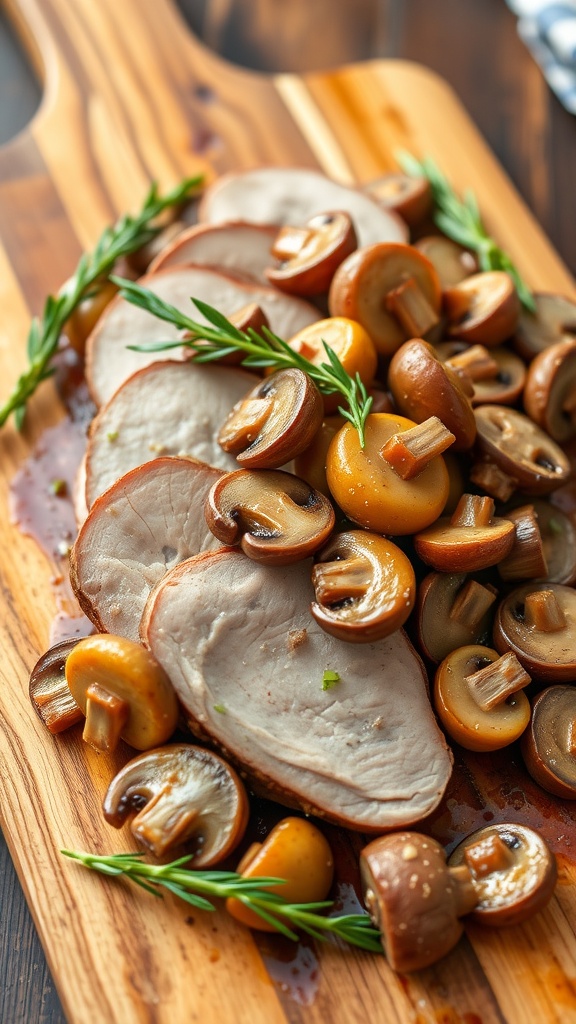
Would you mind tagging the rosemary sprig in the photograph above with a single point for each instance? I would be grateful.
(219, 338)
(461, 221)
(195, 886)
(124, 237)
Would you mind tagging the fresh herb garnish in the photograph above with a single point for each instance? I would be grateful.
(195, 886)
(219, 338)
(220, 709)
(329, 679)
(127, 235)
(461, 221)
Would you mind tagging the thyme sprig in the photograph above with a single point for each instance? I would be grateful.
(195, 886)
(460, 220)
(219, 338)
(124, 237)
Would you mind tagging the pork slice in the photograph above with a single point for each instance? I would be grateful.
(167, 408)
(237, 246)
(292, 195)
(147, 522)
(248, 661)
(108, 360)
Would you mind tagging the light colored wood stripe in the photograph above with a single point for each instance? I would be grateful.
(315, 128)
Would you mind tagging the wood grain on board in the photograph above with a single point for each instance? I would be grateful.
(121, 106)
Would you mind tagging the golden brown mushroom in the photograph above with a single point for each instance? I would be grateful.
(515, 454)
(483, 308)
(553, 321)
(550, 392)
(513, 873)
(452, 611)
(275, 517)
(414, 898)
(538, 622)
(364, 585)
(180, 794)
(549, 743)
(472, 538)
(351, 343)
(411, 197)
(274, 422)
(309, 256)
(49, 691)
(391, 289)
(122, 691)
(451, 262)
(477, 698)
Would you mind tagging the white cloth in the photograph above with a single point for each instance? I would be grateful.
(549, 31)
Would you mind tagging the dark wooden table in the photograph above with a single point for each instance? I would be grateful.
(474, 46)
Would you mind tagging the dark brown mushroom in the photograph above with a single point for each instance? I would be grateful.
(538, 623)
(411, 197)
(391, 289)
(309, 256)
(550, 392)
(549, 743)
(414, 898)
(274, 422)
(180, 794)
(513, 873)
(554, 320)
(515, 454)
(497, 375)
(477, 698)
(122, 691)
(526, 559)
(423, 386)
(275, 517)
(558, 532)
(364, 586)
(452, 610)
(49, 691)
(472, 538)
(483, 308)
(451, 262)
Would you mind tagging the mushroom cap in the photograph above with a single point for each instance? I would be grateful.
(521, 449)
(410, 197)
(483, 308)
(321, 245)
(49, 692)
(451, 261)
(441, 626)
(180, 794)
(519, 888)
(413, 898)
(549, 743)
(554, 319)
(550, 392)
(451, 546)
(364, 586)
(549, 656)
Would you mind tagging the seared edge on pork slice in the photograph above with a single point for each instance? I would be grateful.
(167, 408)
(248, 661)
(142, 526)
(292, 195)
(108, 360)
(238, 247)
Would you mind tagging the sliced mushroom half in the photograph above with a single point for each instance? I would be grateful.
(550, 392)
(513, 873)
(180, 794)
(453, 610)
(538, 622)
(309, 256)
(483, 308)
(515, 453)
(274, 422)
(49, 691)
(549, 743)
(276, 517)
(472, 538)
(364, 585)
(553, 321)
(410, 197)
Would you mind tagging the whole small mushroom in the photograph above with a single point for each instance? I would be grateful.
(180, 794)
(415, 898)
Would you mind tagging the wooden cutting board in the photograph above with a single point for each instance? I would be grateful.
(130, 96)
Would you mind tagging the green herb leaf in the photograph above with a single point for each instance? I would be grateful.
(329, 679)
(126, 236)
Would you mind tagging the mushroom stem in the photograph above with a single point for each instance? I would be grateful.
(491, 685)
(527, 559)
(408, 303)
(465, 891)
(494, 480)
(571, 738)
(341, 580)
(409, 452)
(289, 242)
(487, 855)
(56, 706)
(473, 510)
(164, 821)
(476, 362)
(542, 612)
(472, 603)
(106, 716)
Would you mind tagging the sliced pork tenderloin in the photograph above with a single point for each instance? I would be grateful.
(248, 662)
(167, 408)
(145, 524)
(292, 195)
(239, 247)
(108, 360)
